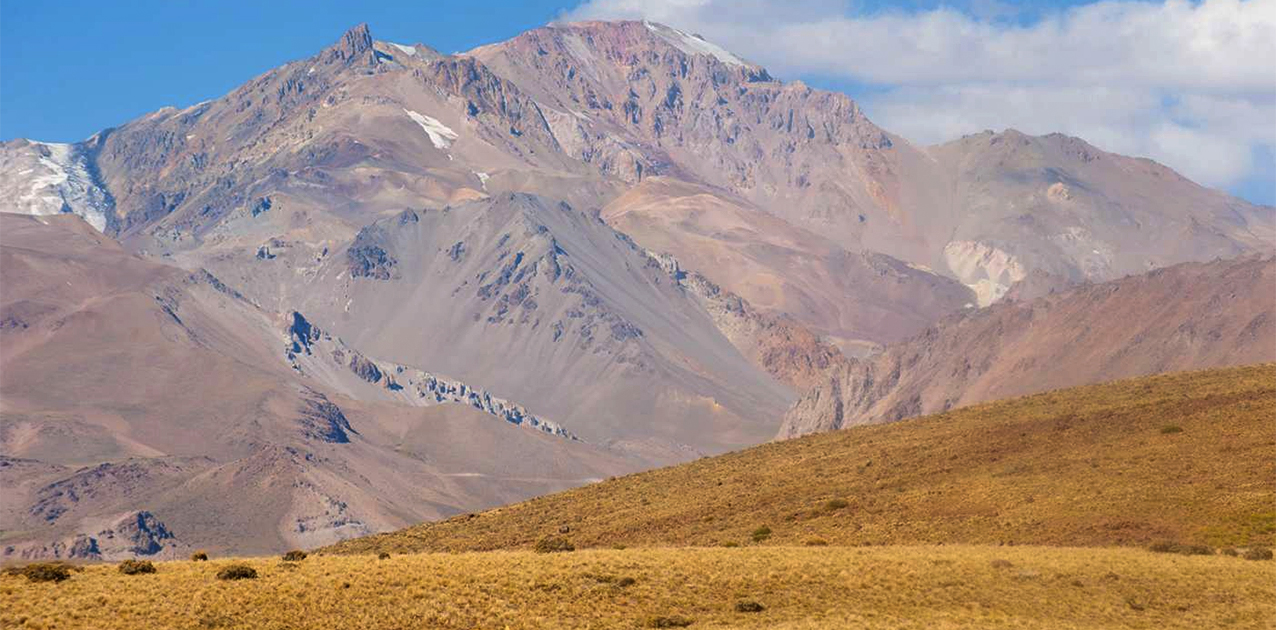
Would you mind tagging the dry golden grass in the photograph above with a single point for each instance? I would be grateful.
(871, 587)
(1090, 466)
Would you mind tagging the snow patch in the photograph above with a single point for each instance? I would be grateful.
(440, 134)
(57, 181)
(407, 50)
(693, 45)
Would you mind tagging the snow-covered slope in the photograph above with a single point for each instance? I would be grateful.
(41, 178)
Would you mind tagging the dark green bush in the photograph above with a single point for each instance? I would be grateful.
(136, 567)
(237, 572)
(553, 544)
(199, 556)
(296, 555)
(762, 533)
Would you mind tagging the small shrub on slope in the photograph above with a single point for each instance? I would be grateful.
(237, 572)
(136, 567)
(553, 544)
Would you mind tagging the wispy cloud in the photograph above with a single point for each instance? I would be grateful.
(1191, 84)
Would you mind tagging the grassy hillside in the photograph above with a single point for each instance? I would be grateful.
(881, 587)
(1187, 457)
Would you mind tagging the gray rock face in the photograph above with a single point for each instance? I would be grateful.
(310, 351)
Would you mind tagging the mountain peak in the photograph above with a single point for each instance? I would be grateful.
(355, 43)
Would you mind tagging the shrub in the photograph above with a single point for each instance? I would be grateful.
(136, 567)
(626, 581)
(749, 607)
(762, 533)
(47, 572)
(1229, 552)
(835, 504)
(1171, 428)
(1180, 548)
(730, 543)
(553, 544)
(237, 572)
(816, 542)
(199, 556)
(296, 555)
(383, 556)
(669, 622)
(1256, 553)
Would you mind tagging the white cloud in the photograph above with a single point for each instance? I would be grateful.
(1191, 84)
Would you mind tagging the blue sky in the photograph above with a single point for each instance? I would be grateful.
(69, 69)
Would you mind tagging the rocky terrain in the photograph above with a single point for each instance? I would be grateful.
(1189, 316)
(181, 421)
(382, 284)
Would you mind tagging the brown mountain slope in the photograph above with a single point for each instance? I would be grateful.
(1186, 456)
(1189, 316)
(984, 209)
(147, 410)
(856, 300)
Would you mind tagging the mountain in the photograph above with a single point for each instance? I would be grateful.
(638, 99)
(382, 284)
(1189, 316)
(141, 393)
(1122, 463)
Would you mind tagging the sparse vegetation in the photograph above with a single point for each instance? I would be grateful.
(199, 556)
(1258, 554)
(136, 567)
(237, 572)
(960, 476)
(1180, 548)
(669, 622)
(296, 555)
(554, 544)
(877, 587)
(43, 571)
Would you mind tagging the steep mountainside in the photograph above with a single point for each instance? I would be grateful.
(638, 99)
(145, 410)
(856, 300)
(1189, 316)
(540, 302)
(1185, 457)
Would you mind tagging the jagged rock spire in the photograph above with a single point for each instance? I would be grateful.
(354, 46)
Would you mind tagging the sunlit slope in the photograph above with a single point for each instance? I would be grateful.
(942, 588)
(1186, 457)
